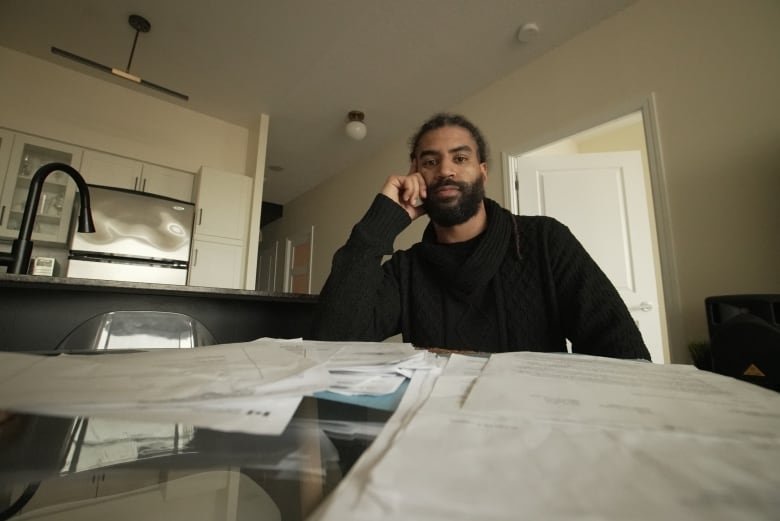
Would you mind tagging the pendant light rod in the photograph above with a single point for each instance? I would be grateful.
(132, 52)
(141, 25)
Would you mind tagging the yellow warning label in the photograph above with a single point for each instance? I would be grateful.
(752, 370)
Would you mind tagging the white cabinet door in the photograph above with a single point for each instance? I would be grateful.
(100, 168)
(223, 201)
(167, 182)
(216, 264)
(52, 221)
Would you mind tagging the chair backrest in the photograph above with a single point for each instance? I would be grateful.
(745, 337)
(137, 330)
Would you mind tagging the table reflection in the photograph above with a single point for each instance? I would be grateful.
(94, 468)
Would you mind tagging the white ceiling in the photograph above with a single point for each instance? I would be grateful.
(305, 63)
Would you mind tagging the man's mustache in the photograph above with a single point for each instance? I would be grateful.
(461, 185)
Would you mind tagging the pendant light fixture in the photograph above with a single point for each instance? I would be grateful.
(141, 25)
(356, 128)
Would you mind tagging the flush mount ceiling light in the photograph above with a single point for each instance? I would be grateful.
(141, 25)
(527, 32)
(355, 128)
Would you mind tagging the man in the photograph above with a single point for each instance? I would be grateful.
(481, 278)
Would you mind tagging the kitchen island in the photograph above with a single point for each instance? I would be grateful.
(38, 312)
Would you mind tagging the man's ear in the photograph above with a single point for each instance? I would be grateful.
(483, 169)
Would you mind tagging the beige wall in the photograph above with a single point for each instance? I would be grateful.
(714, 67)
(47, 100)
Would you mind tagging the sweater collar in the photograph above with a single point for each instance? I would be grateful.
(484, 263)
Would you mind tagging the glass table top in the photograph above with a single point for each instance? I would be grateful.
(94, 468)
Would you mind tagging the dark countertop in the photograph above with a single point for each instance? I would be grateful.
(74, 284)
(38, 312)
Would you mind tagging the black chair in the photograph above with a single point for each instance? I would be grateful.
(137, 330)
(745, 337)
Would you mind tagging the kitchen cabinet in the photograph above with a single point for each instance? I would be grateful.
(27, 154)
(100, 168)
(92, 484)
(221, 223)
(223, 200)
(216, 263)
(169, 182)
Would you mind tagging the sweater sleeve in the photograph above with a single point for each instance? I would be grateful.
(595, 318)
(361, 299)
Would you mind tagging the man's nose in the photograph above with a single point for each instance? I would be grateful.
(446, 168)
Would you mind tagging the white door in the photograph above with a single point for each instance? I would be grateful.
(603, 200)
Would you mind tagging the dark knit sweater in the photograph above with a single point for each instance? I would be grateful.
(525, 284)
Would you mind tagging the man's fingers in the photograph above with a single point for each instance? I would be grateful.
(408, 191)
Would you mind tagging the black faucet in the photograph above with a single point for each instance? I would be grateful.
(19, 258)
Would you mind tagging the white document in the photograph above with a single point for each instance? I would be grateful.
(247, 387)
(349, 383)
(448, 466)
(362, 368)
(621, 393)
(568, 437)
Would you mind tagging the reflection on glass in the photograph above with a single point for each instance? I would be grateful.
(100, 443)
(52, 194)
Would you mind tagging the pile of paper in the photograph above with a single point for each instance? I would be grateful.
(559, 437)
(247, 387)
(362, 368)
(252, 387)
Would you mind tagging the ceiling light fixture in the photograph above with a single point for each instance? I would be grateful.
(355, 128)
(527, 32)
(141, 25)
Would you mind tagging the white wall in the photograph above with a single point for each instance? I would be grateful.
(714, 67)
(51, 101)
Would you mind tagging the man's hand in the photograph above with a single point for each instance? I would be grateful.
(408, 191)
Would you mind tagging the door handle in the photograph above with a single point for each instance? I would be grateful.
(643, 306)
(200, 216)
(195, 258)
(2, 215)
(135, 184)
(143, 187)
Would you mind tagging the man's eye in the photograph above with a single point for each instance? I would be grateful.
(429, 163)
(460, 159)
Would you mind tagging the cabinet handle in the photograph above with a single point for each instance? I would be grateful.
(200, 216)
(195, 259)
(143, 188)
(2, 215)
(135, 184)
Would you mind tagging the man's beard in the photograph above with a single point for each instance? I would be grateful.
(449, 213)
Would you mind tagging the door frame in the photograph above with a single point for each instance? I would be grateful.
(289, 243)
(672, 316)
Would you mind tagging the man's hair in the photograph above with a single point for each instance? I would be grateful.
(444, 119)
